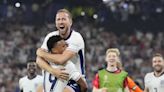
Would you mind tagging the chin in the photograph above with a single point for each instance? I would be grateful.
(62, 31)
(158, 69)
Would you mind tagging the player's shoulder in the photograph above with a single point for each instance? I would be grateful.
(39, 78)
(52, 33)
(23, 78)
(149, 75)
(76, 34)
(76, 37)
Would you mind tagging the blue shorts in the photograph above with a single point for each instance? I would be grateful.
(74, 85)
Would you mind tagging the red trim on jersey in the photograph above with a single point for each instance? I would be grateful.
(125, 82)
(95, 82)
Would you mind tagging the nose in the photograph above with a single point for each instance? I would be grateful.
(59, 21)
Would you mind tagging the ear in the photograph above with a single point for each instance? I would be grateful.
(53, 50)
(71, 22)
(106, 59)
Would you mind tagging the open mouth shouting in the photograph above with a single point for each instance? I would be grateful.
(61, 27)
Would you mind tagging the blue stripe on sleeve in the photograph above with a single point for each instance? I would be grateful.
(81, 61)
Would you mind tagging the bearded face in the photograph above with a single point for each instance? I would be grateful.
(63, 22)
(158, 64)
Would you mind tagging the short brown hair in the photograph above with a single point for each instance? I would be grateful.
(66, 11)
(157, 55)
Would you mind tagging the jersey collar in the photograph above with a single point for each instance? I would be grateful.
(117, 71)
(159, 75)
(69, 34)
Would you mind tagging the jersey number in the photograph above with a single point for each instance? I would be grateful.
(155, 89)
(53, 80)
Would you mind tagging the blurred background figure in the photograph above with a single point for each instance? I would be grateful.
(133, 26)
(113, 78)
(154, 81)
(32, 81)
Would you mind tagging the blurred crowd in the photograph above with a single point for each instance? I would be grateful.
(18, 43)
(136, 50)
(133, 26)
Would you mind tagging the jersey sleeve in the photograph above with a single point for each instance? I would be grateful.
(74, 74)
(76, 44)
(95, 81)
(132, 85)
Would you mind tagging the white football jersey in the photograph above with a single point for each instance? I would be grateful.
(76, 44)
(52, 84)
(30, 85)
(153, 83)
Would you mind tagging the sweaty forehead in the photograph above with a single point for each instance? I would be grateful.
(157, 58)
(62, 14)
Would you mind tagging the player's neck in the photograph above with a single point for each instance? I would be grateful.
(158, 74)
(31, 76)
(112, 69)
(65, 36)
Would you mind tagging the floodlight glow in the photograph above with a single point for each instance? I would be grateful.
(95, 16)
(17, 4)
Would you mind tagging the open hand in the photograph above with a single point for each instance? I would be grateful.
(61, 73)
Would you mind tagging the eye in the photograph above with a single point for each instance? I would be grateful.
(63, 19)
(58, 19)
(155, 61)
